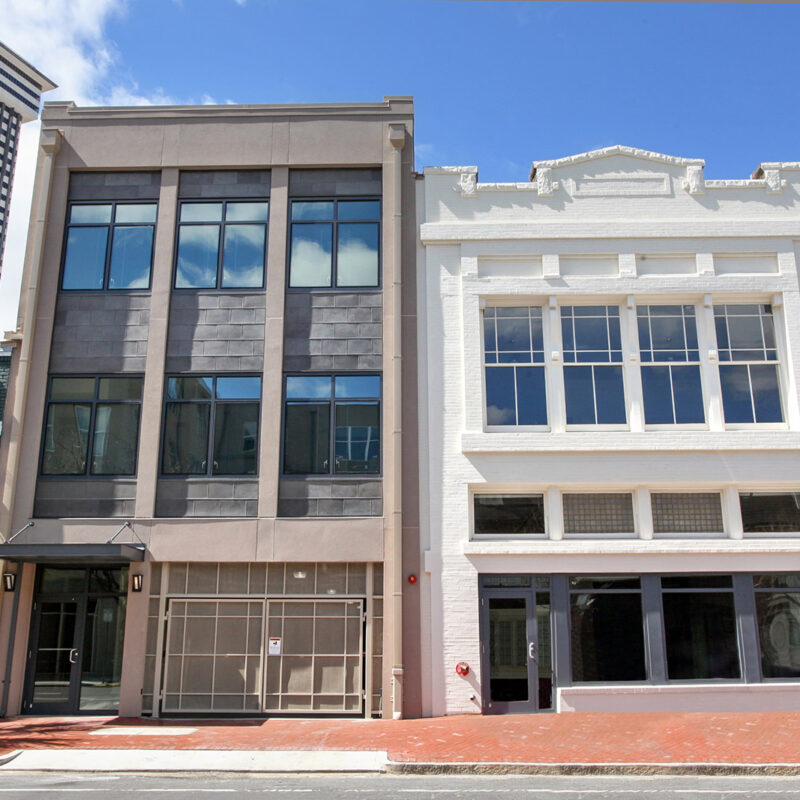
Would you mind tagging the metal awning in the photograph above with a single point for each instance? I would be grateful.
(74, 554)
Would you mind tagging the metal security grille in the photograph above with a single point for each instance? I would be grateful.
(315, 656)
(598, 513)
(687, 512)
(214, 658)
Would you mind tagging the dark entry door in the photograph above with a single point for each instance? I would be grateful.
(75, 652)
(516, 651)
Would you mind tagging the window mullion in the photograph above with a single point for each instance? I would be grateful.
(221, 244)
(109, 241)
(212, 412)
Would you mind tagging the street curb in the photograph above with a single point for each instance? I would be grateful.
(510, 768)
(197, 761)
(9, 757)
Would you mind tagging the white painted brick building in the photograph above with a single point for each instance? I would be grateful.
(610, 437)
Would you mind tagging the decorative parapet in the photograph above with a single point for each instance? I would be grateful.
(695, 182)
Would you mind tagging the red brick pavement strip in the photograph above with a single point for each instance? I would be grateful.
(735, 738)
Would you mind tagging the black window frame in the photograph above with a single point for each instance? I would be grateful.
(333, 287)
(111, 226)
(331, 473)
(94, 402)
(209, 473)
(224, 201)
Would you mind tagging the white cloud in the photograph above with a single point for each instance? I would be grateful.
(67, 41)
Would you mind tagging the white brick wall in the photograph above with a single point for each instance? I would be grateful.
(508, 244)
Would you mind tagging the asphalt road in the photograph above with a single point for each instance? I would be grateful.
(390, 787)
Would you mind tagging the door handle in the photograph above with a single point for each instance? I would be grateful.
(532, 651)
(73, 656)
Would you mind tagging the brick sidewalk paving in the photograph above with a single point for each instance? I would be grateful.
(575, 738)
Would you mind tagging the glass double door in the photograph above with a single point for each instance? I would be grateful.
(516, 650)
(75, 653)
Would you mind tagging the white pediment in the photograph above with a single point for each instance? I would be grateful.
(617, 171)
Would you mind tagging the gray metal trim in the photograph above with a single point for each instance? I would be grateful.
(82, 554)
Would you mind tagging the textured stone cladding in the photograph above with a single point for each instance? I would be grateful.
(330, 497)
(216, 332)
(80, 498)
(332, 331)
(100, 332)
(207, 497)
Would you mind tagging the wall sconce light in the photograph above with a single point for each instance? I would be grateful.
(9, 581)
(137, 580)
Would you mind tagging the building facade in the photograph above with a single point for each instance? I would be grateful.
(205, 437)
(611, 437)
(21, 88)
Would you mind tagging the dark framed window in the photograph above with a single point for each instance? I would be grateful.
(770, 512)
(509, 514)
(92, 426)
(221, 244)
(748, 367)
(211, 425)
(334, 243)
(109, 246)
(331, 424)
(513, 348)
(593, 383)
(605, 623)
(778, 618)
(700, 627)
(673, 392)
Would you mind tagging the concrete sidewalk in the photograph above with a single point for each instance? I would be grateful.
(545, 743)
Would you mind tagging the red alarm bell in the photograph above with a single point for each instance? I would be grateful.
(412, 578)
(462, 668)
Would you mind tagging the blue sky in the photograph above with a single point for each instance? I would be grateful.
(496, 84)
(499, 83)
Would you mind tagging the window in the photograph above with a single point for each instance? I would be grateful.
(211, 425)
(92, 426)
(334, 243)
(748, 367)
(109, 246)
(327, 414)
(700, 627)
(670, 365)
(221, 245)
(686, 512)
(770, 512)
(515, 394)
(607, 634)
(778, 615)
(593, 387)
(509, 515)
(598, 513)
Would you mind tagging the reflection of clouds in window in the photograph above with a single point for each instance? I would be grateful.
(243, 262)
(357, 263)
(311, 263)
(500, 416)
(197, 256)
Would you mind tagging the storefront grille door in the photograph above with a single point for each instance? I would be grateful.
(214, 656)
(315, 656)
(218, 659)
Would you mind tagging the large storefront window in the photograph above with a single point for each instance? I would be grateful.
(700, 627)
(606, 621)
(615, 629)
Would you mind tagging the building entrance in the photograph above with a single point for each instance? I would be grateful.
(75, 653)
(516, 644)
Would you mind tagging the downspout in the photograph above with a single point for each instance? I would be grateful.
(50, 143)
(397, 138)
